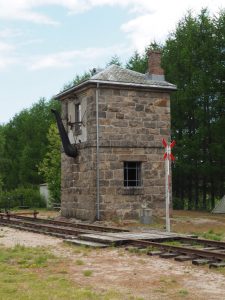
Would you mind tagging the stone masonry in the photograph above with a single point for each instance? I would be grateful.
(132, 120)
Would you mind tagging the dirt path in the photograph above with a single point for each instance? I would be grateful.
(130, 274)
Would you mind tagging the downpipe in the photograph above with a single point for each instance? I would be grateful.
(97, 157)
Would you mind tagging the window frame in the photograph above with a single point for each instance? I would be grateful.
(132, 169)
(78, 121)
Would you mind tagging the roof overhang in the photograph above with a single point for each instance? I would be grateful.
(105, 83)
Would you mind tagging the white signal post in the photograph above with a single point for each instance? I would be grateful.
(167, 157)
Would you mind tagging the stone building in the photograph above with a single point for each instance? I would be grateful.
(116, 120)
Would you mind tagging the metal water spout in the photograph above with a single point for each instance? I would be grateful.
(69, 149)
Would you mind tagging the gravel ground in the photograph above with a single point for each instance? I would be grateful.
(131, 274)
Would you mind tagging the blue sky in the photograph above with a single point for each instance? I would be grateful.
(45, 43)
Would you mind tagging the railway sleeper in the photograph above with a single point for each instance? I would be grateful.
(182, 258)
(202, 261)
(217, 265)
(78, 242)
(169, 255)
(154, 253)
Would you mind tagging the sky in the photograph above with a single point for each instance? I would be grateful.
(44, 44)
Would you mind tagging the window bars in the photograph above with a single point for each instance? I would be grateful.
(132, 173)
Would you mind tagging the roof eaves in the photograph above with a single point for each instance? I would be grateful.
(69, 90)
(154, 86)
(167, 87)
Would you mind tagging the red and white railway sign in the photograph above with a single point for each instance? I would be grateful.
(168, 148)
(168, 156)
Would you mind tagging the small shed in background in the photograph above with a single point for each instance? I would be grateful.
(45, 193)
(220, 207)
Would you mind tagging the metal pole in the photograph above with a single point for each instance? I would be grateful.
(167, 174)
(97, 158)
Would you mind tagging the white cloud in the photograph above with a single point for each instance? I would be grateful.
(65, 59)
(156, 20)
(132, 5)
(31, 42)
(25, 9)
(10, 32)
(22, 10)
(149, 20)
(6, 51)
(5, 47)
(6, 61)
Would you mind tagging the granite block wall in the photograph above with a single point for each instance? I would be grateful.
(132, 123)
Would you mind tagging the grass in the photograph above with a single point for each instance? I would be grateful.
(211, 235)
(83, 250)
(220, 270)
(138, 251)
(79, 262)
(170, 286)
(26, 257)
(183, 292)
(34, 273)
(173, 243)
(87, 273)
(199, 223)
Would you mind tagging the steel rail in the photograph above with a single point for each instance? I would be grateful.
(181, 250)
(67, 224)
(49, 228)
(202, 241)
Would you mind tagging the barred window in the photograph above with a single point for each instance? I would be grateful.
(132, 173)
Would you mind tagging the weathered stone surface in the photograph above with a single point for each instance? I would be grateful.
(161, 102)
(119, 116)
(131, 126)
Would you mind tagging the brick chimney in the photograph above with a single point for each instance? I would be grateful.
(154, 65)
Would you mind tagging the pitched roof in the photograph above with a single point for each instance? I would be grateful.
(119, 76)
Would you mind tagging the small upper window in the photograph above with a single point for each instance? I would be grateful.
(78, 118)
(132, 173)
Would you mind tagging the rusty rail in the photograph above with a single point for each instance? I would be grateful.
(65, 224)
(181, 250)
(74, 229)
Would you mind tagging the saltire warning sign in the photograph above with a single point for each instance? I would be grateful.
(168, 156)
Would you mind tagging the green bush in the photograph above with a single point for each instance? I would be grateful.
(21, 197)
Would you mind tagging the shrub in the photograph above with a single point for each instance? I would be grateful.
(21, 197)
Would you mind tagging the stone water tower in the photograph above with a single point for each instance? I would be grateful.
(115, 122)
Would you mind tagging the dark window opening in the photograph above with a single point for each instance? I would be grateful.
(132, 173)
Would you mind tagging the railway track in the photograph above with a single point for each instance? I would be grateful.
(62, 223)
(51, 227)
(181, 248)
(199, 251)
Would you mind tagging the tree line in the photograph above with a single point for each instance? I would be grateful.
(24, 144)
(193, 59)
